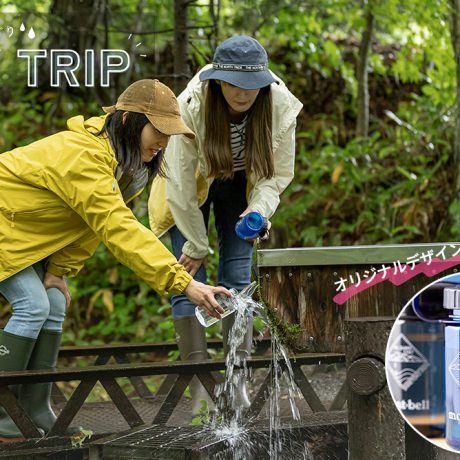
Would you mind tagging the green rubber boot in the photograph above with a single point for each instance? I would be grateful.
(36, 398)
(15, 352)
(241, 398)
(191, 340)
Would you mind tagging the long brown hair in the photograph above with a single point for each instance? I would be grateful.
(258, 149)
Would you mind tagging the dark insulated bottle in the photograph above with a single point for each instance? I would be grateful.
(252, 225)
(415, 368)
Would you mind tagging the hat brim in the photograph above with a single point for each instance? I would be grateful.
(110, 109)
(166, 125)
(245, 80)
(170, 126)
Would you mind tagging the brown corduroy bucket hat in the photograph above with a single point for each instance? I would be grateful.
(157, 102)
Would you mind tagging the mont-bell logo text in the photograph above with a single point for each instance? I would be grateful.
(454, 416)
(409, 405)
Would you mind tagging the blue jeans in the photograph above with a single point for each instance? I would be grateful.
(34, 307)
(228, 198)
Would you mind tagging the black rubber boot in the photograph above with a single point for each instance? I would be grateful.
(15, 352)
(191, 340)
(241, 398)
(36, 398)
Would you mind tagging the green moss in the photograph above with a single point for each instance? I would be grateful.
(286, 333)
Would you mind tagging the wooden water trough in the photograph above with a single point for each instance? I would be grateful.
(305, 287)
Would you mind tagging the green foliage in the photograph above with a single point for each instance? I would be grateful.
(392, 188)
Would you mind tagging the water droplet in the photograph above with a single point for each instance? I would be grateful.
(130, 35)
(22, 28)
(140, 43)
(31, 33)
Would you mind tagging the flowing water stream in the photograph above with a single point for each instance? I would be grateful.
(230, 422)
(246, 438)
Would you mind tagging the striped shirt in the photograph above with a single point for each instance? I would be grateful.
(237, 142)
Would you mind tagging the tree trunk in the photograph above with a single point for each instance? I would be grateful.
(137, 27)
(181, 68)
(455, 37)
(214, 12)
(362, 125)
(72, 25)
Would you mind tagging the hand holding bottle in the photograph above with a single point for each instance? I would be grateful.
(228, 304)
(204, 295)
(252, 225)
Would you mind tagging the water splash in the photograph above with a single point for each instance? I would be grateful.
(231, 422)
(232, 433)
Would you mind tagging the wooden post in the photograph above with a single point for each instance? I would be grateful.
(375, 427)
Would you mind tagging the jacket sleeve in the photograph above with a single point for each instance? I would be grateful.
(93, 193)
(265, 195)
(181, 192)
(70, 259)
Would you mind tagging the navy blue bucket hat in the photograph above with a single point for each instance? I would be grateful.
(241, 61)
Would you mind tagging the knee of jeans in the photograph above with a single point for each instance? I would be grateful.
(34, 310)
(57, 303)
(238, 280)
(181, 306)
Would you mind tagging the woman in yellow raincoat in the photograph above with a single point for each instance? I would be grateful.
(60, 197)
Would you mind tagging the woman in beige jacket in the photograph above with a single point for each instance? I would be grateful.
(241, 160)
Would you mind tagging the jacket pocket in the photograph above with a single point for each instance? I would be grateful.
(37, 216)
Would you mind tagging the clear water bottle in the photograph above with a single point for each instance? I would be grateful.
(252, 225)
(451, 301)
(229, 304)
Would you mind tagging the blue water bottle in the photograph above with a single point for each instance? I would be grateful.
(252, 225)
(441, 303)
(451, 301)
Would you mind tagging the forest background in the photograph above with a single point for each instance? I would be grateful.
(377, 149)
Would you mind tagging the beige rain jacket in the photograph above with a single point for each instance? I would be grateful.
(177, 200)
(60, 198)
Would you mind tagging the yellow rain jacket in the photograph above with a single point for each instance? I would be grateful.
(59, 198)
(178, 199)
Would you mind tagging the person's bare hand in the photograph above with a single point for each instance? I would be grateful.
(203, 295)
(192, 265)
(58, 282)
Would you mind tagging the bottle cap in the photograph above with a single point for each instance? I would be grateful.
(433, 305)
(452, 298)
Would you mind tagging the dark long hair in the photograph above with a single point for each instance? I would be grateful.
(258, 149)
(126, 142)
